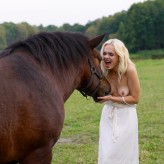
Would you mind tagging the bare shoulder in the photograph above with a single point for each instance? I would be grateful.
(132, 73)
(131, 69)
(133, 82)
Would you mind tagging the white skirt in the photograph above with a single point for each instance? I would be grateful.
(118, 134)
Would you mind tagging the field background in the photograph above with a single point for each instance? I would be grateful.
(78, 143)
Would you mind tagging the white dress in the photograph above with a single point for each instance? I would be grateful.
(118, 135)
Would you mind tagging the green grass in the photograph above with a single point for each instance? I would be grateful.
(78, 143)
(151, 111)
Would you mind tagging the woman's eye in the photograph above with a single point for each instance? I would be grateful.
(105, 53)
(108, 53)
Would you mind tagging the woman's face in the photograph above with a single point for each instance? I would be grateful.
(110, 58)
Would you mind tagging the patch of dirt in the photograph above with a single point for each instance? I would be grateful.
(65, 140)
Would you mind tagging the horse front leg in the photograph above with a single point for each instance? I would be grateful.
(39, 156)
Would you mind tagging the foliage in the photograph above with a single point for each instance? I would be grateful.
(148, 54)
(10, 32)
(79, 139)
(140, 27)
(3, 42)
(143, 27)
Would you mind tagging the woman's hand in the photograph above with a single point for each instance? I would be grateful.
(104, 98)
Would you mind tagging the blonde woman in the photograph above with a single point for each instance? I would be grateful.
(118, 140)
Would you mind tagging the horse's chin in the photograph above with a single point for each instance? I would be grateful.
(96, 100)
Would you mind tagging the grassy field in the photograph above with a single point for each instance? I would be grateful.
(78, 143)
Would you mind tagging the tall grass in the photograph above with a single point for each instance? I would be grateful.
(78, 143)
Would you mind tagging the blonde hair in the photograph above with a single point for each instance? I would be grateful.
(123, 54)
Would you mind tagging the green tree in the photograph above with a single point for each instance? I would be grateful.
(49, 28)
(22, 32)
(11, 32)
(143, 27)
(92, 29)
(159, 23)
(3, 42)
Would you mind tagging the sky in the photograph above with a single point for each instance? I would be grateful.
(58, 12)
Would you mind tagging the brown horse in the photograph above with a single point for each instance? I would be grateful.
(37, 76)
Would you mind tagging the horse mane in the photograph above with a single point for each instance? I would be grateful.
(61, 48)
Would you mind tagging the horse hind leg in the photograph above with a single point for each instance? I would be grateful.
(39, 156)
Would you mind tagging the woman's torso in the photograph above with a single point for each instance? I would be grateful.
(119, 87)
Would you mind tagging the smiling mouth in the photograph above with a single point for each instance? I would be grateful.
(107, 63)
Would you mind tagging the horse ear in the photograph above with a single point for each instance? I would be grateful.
(94, 42)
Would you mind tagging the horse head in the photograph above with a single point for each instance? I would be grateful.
(94, 82)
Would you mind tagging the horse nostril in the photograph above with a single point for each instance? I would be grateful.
(105, 93)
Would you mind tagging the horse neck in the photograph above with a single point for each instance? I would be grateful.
(69, 81)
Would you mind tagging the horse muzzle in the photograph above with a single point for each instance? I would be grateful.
(103, 91)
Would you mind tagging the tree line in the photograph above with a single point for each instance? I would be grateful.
(141, 27)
